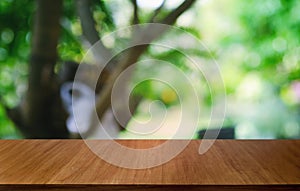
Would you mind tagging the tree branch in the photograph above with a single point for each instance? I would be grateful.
(101, 52)
(156, 12)
(129, 58)
(172, 17)
(136, 19)
(132, 56)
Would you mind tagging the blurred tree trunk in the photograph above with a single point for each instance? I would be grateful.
(41, 115)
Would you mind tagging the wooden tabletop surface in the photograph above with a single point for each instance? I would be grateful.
(227, 162)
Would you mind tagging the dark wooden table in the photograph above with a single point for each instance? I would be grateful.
(228, 165)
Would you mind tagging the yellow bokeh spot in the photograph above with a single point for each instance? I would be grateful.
(168, 96)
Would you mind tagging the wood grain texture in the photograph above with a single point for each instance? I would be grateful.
(228, 165)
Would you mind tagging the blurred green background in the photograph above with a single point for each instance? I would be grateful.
(256, 44)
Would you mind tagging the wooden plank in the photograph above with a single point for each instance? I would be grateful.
(229, 164)
(148, 187)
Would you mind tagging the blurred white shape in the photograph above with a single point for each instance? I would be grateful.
(83, 105)
(251, 88)
(82, 94)
(186, 19)
(171, 4)
(149, 4)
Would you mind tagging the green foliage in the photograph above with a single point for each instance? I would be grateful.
(7, 129)
(271, 30)
(258, 54)
(103, 16)
(265, 66)
(15, 31)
